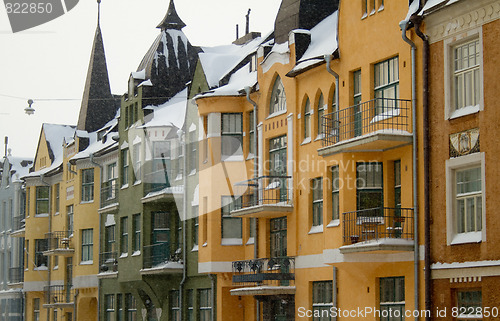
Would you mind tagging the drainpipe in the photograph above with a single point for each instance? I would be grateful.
(417, 21)
(404, 27)
(42, 178)
(255, 175)
(328, 59)
(182, 139)
(335, 285)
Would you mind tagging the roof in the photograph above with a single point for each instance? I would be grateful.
(171, 113)
(18, 166)
(171, 19)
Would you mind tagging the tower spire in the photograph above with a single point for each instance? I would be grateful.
(171, 19)
(98, 12)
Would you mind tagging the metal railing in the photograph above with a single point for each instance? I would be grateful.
(265, 190)
(377, 223)
(16, 275)
(18, 222)
(108, 262)
(265, 271)
(58, 240)
(158, 254)
(59, 294)
(109, 193)
(379, 114)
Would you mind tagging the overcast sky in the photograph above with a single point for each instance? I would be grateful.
(49, 63)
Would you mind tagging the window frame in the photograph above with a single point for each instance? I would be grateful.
(70, 219)
(323, 289)
(205, 304)
(87, 194)
(235, 131)
(389, 69)
(42, 200)
(277, 102)
(317, 201)
(137, 166)
(36, 309)
(251, 134)
(476, 305)
(130, 307)
(87, 248)
(124, 167)
(109, 307)
(335, 192)
(227, 205)
(175, 307)
(394, 302)
(307, 120)
(41, 245)
(136, 228)
(124, 235)
(453, 165)
(450, 44)
(322, 109)
(369, 188)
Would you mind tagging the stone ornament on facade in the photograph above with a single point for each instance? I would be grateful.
(464, 143)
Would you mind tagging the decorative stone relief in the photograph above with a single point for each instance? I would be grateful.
(464, 143)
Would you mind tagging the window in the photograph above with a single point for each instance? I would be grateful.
(335, 193)
(196, 225)
(369, 186)
(69, 219)
(87, 245)
(41, 246)
(392, 298)
(232, 134)
(231, 226)
(190, 305)
(36, 309)
(253, 62)
(251, 133)
(469, 301)
(307, 119)
(27, 257)
(321, 112)
(56, 198)
(28, 201)
(88, 185)
(465, 216)
(137, 162)
(109, 240)
(205, 304)
(278, 98)
(193, 157)
(161, 164)
(277, 156)
(317, 201)
(136, 226)
(109, 306)
(364, 8)
(124, 168)
(119, 307)
(397, 184)
(130, 307)
(42, 200)
(110, 185)
(175, 307)
(386, 85)
(322, 300)
(124, 235)
(251, 227)
(55, 314)
(466, 77)
(357, 87)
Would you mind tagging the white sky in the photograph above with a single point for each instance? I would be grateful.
(49, 63)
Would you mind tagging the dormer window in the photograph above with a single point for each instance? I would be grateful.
(278, 98)
(253, 62)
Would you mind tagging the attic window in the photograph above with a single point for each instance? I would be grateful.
(253, 63)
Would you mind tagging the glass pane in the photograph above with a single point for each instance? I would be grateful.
(470, 215)
(460, 216)
(479, 213)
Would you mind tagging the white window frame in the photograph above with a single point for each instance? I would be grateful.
(449, 88)
(452, 165)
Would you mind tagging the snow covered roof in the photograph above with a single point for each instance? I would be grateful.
(430, 6)
(171, 113)
(54, 136)
(19, 166)
(96, 146)
(324, 38)
(237, 82)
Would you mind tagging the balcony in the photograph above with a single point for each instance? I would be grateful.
(265, 276)
(59, 243)
(158, 260)
(375, 125)
(378, 229)
(18, 228)
(109, 197)
(264, 197)
(157, 187)
(59, 296)
(16, 277)
(108, 264)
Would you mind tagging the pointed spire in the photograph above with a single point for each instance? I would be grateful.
(98, 105)
(98, 12)
(171, 20)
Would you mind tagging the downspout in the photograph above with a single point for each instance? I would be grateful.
(42, 177)
(404, 26)
(328, 59)
(255, 175)
(417, 20)
(182, 138)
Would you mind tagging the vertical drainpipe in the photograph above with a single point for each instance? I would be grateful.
(417, 20)
(42, 177)
(255, 175)
(404, 27)
(328, 59)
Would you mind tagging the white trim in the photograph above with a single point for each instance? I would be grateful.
(233, 241)
(452, 165)
(310, 261)
(316, 229)
(333, 256)
(334, 223)
(215, 267)
(85, 281)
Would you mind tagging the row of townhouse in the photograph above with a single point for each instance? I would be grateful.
(331, 165)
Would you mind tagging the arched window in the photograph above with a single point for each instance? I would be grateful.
(278, 98)
(321, 111)
(307, 119)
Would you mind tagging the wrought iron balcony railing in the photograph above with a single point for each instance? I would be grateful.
(16, 275)
(59, 240)
(59, 294)
(109, 193)
(266, 271)
(158, 254)
(108, 262)
(377, 223)
(265, 190)
(378, 115)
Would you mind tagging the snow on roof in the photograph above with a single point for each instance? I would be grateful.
(19, 166)
(146, 83)
(323, 38)
(175, 35)
(429, 6)
(139, 74)
(238, 81)
(55, 135)
(96, 145)
(171, 113)
(219, 61)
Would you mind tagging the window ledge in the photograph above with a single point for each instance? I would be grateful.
(195, 248)
(192, 173)
(86, 262)
(275, 114)
(123, 255)
(136, 253)
(316, 229)
(250, 156)
(334, 223)
(56, 213)
(41, 215)
(250, 241)
(40, 268)
(465, 238)
(231, 242)
(306, 141)
(319, 137)
(124, 186)
(137, 183)
(205, 244)
(87, 202)
(233, 158)
(469, 110)
(56, 267)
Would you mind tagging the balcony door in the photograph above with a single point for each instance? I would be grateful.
(278, 165)
(160, 237)
(357, 103)
(278, 237)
